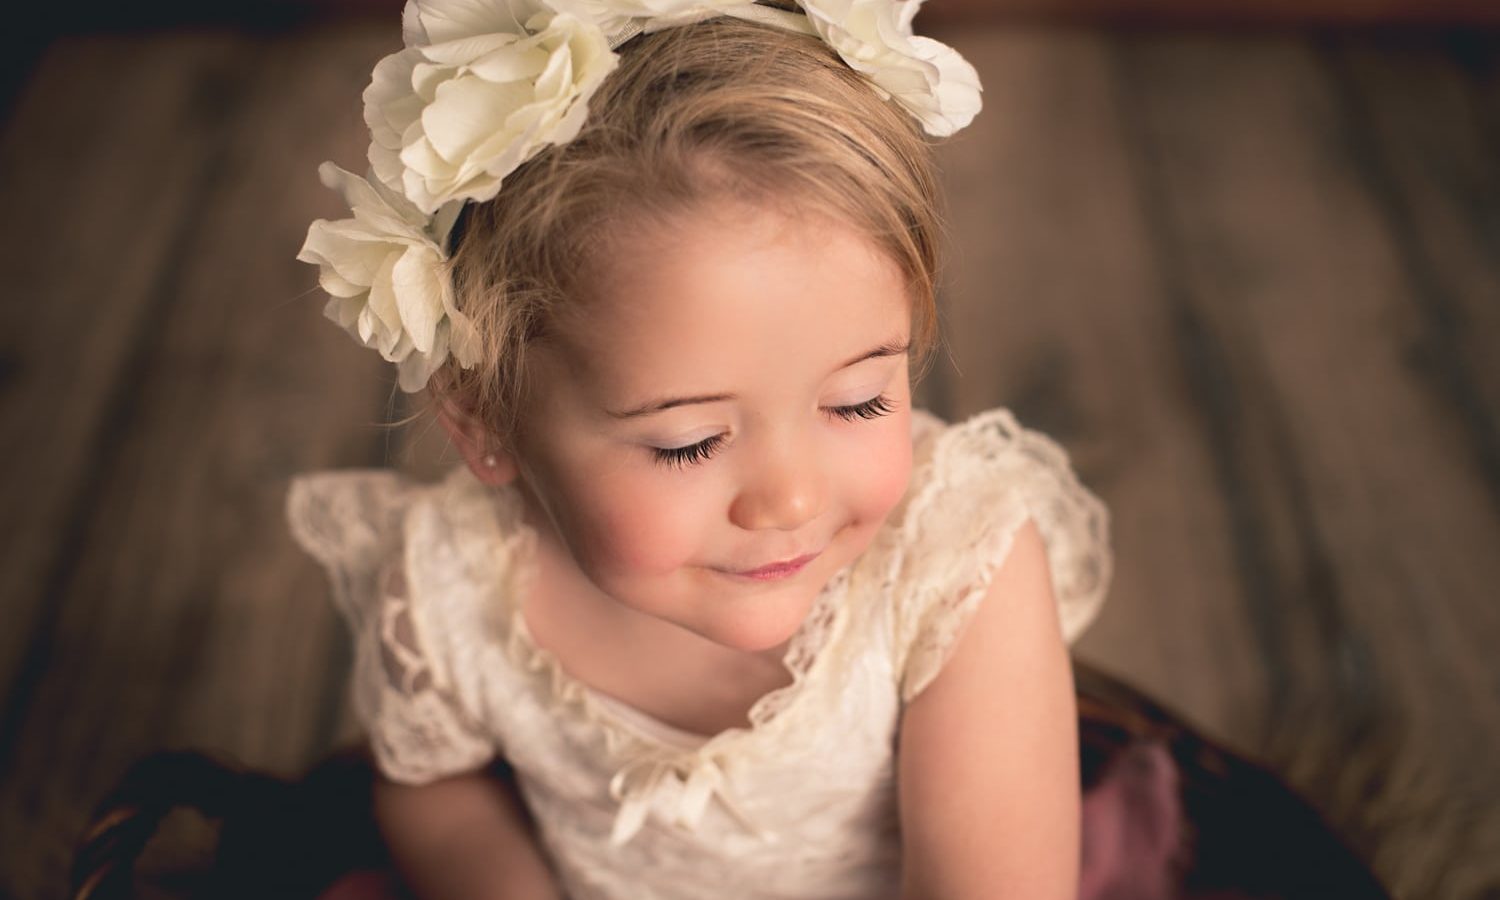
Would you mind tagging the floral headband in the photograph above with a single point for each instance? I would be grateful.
(484, 85)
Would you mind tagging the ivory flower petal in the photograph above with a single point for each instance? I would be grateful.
(482, 86)
(928, 78)
(414, 369)
(426, 22)
(613, 16)
(345, 255)
(384, 271)
(418, 298)
(463, 50)
(459, 119)
(953, 101)
(451, 118)
(383, 322)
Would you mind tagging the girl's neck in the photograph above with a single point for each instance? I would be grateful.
(656, 667)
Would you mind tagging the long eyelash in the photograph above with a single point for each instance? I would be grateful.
(692, 454)
(678, 457)
(873, 408)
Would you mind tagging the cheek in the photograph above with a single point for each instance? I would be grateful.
(628, 525)
(881, 471)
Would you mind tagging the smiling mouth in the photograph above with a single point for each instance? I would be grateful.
(776, 569)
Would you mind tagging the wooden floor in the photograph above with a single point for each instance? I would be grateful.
(1251, 281)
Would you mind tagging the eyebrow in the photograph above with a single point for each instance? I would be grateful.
(890, 348)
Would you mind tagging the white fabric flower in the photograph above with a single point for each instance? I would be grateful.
(926, 77)
(426, 22)
(451, 118)
(383, 270)
(484, 85)
(624, 18)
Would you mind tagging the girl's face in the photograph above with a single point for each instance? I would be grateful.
(735, 396)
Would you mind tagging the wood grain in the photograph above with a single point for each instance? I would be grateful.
(86, 261)
(1364, 544)
(1055, 309)
(1427, 151)
(185, 617)
(1179, 13)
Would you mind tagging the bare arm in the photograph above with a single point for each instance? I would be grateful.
(467, 837)
(988, 779)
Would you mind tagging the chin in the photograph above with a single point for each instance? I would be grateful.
(757, 624)
(755, 640)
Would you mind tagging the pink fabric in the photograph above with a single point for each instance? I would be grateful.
(1132, 828)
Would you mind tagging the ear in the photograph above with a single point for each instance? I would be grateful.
(491, 466)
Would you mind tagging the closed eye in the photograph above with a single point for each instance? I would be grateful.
(692, 454)
(677, 457)
(873, 408)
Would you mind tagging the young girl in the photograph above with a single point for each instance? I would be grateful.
(742, 622)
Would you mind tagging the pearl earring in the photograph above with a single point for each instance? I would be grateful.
(490, 461)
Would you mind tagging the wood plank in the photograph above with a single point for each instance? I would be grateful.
(1426, 149)
(187, 617)
(1054, 309)
(1477, 53)
(1367, 545)
(1432, 170)
(1221, 13)
(86, 252)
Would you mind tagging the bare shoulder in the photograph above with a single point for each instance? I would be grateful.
(988, 768)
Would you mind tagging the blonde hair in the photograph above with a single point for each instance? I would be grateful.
(719, 109)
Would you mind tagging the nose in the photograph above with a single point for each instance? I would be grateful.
(786, 490)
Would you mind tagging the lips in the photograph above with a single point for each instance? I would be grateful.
(778, 569)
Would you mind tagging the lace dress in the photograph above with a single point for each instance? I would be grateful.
(799, 804)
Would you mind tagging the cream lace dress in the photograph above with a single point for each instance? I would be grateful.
(801, 803)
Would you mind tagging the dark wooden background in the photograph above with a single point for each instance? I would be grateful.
(1251, 279)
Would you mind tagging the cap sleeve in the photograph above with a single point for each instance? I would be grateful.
(355, 524)
(982, 481)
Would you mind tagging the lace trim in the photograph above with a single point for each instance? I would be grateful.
(419, 731)
(402, 660)
(675, 784)
(350, 523)
(803, 652)
(988, 475)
